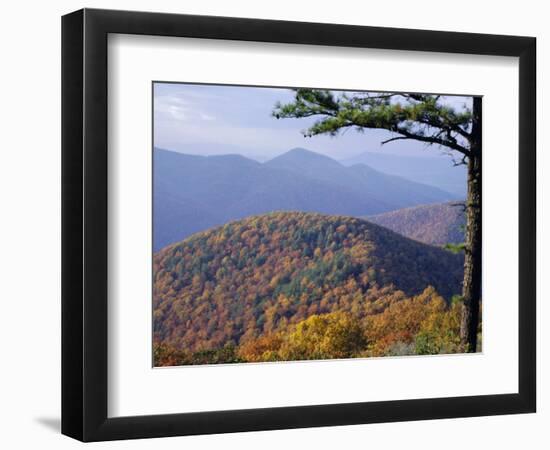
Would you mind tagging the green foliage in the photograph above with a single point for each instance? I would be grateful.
(413, 116)
(455, 248)
(425, 344)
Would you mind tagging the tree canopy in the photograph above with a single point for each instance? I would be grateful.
(420, 117)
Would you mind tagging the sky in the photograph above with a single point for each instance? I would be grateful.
(216, 119)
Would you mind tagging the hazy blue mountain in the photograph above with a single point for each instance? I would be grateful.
(389, 190)
(175, 216)
(435, 171)
(193, 193)
(221, 148)
(438, 224)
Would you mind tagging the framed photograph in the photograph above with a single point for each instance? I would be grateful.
(273, 224)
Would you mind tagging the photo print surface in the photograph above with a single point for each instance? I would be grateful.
(298, 224)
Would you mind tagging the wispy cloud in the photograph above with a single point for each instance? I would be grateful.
(188, 116)
(179, 108)
(171, 106)
(208, 117)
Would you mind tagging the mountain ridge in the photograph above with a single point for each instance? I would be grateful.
(432, 169)
(255, 275)
(229, 187)
(436, 224)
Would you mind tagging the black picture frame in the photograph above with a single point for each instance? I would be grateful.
(84, 224)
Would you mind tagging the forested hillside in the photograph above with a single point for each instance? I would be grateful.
(273, 286)
(437, 224)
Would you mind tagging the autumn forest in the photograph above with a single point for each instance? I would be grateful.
(304, 257)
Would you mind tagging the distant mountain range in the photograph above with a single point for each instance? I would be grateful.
(193, 193)
(432, 170)
(438, 224)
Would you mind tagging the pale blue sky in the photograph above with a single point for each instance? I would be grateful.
(206, 120)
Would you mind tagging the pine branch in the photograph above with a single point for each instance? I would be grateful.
(421, 118)
(434, 140)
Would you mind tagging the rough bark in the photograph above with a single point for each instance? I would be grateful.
(471, 289)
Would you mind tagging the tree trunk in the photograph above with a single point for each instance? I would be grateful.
(471, 289)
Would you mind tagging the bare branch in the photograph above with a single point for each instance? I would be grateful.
(462, 161)
(433, 140)
(461, 205)
(398, 138)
